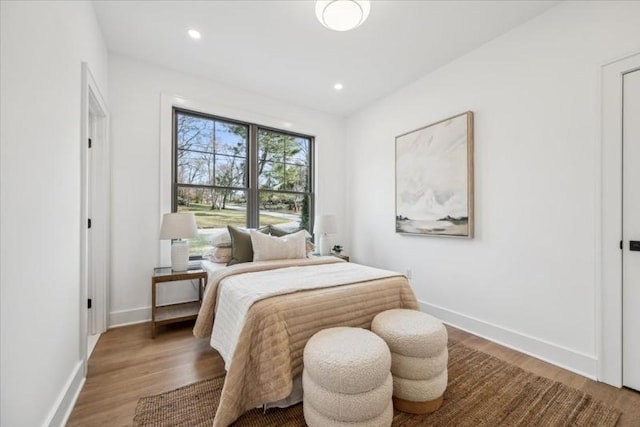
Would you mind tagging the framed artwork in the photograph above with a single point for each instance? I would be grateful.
(434, 179)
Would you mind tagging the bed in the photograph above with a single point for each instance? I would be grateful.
(263, 352)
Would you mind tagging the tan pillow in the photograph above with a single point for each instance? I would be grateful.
(220, 254)
(291, 246)
(310, 247)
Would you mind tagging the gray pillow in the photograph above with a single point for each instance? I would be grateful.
(241, 247)
(279, 232)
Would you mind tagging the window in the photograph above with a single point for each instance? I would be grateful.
(232, 173)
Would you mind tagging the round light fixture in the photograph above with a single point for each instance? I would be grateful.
(195, 34)
(342, 15)
(338, 86)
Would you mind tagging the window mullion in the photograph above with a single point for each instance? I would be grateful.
(253, 213)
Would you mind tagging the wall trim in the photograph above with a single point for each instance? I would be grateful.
(138, 315)
(566, 358)
(129, 317)
(59, 414)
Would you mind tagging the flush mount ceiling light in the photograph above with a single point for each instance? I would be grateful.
(342, 15)
(338, 86)
(195, 34)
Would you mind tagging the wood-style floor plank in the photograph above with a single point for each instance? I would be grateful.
(128, 364)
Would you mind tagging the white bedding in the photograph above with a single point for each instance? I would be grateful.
(239, 292)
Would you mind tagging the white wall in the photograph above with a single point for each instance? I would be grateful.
(528, 279)
(136, 89)
(42, 47)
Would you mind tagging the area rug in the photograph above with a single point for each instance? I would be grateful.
(482, 391)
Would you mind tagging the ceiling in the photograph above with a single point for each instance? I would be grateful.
(279, 49)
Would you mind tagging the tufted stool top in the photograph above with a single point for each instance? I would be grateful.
(347, 360)
(411, 332)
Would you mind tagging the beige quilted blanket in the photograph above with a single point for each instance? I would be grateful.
(269, 351)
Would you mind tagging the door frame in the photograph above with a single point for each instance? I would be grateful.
(94, 252)
(608, 236)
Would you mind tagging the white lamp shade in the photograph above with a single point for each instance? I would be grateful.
(342, 15)
(325, 224)
(178, 225)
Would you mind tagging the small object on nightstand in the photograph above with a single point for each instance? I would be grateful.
(172, 313)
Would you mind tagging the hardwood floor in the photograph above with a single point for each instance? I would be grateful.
(127, 364)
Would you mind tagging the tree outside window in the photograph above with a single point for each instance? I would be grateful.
(212, 176)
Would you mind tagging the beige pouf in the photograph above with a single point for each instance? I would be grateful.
(346, 379)
(418, 344)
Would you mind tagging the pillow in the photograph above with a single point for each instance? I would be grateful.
(291, 246)
(220, 237)
(279, 232)
(220, 254)
(241, 248)
(310, 247)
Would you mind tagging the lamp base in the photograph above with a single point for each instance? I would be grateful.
(180, 255)
(325, 245)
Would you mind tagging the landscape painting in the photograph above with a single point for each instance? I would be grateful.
(434, 179)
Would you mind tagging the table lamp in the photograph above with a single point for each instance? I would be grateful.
(175, 227)
(323, 226)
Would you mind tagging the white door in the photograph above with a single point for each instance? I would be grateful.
(631, 231)
(91, 324)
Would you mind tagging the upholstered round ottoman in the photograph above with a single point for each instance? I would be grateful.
(418, 344)
(346, 379)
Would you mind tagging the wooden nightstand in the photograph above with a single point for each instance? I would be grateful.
(172, 313)
(341, 256)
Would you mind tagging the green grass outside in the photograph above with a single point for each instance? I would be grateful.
(207, 218)
(218, 218)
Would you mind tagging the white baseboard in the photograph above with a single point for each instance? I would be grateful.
(129, 317)
(134, 316)
(65, 402)
(580, 363)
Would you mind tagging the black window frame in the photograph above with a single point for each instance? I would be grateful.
(251, 187)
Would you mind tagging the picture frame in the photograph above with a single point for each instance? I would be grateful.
(435, 179)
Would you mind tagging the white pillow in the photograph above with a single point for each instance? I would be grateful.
(220, 237)
(291, 246)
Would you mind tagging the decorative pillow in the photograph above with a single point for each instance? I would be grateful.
(220, 254)
(220, 237)
(309, 246)
(241, 248)
(291, 246)
(279, 232)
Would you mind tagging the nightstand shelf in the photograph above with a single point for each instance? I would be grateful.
(177, 312)
(172, 313)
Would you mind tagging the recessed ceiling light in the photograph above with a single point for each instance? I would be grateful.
(194, 34)
(338, 86)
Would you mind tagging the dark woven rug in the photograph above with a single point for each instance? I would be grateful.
(482, 391)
